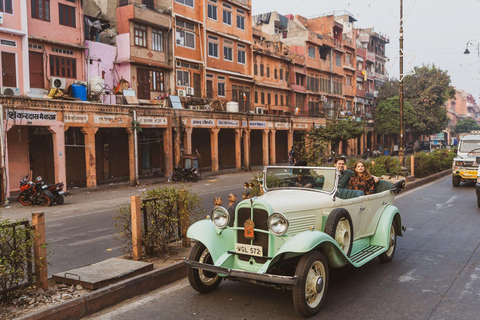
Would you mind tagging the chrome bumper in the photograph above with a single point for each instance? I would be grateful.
(233, 273)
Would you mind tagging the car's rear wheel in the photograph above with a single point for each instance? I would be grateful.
(202, 281)
(456, 181)
(387, 256)
(311, 289)
(340, 227)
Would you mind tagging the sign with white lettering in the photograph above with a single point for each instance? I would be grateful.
(317, 125)
(257, 124)
(227, 123)
(282, 125)
(108, 119)
(153, 121)
(31, 115)
(301, 126)
(75, 117)
(202, 122)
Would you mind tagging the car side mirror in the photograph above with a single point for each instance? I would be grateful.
(398, 186)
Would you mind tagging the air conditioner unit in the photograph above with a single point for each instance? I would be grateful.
(322, 98)
(58, 83)
(189, 91)
(181, 93)
(1, 17)
(259, 110)
(10, 91)
(194, 107)
(178, 63)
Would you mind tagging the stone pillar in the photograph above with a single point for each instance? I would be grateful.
(246, 149)
(340, 147)
(214, 146)
(273, 150)
(265, 148)
(168, 150)
(90, 162)
(176, 146)
(290, 139)
(362, 143)
(131, 156)
(187, 140)
(238, 148)
(58, 138)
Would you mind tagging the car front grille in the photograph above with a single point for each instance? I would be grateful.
(260, 218)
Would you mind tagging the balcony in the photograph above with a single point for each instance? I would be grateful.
(141, 14)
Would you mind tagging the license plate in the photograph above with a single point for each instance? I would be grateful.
(249, 249)
(472, 173)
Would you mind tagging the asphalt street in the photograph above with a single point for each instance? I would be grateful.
(435, 274)
(81, 231)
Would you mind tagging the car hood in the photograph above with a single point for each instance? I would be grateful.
(293, 200)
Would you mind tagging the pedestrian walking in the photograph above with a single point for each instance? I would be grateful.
(291, 157)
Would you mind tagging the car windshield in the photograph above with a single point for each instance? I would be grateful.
(468, 146)
(300, 177)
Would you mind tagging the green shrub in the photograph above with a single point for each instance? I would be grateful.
(15, 255)
(429, 163)
(168, 208)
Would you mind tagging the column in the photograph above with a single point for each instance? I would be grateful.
(246, 149)
(238, 148)
(90, 162)
(131, 157)
(340, 148)
(290, 139)
(214, 148)
(265, 148)
(168, 150)
(187, 140)
(176, 146)
(273, 151)
(58, 138)
(362, 143)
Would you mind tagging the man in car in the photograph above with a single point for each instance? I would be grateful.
(303, 179)
(345, 175)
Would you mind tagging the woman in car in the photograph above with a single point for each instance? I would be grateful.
(362, 180)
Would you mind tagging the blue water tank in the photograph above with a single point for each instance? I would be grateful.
(79, 91)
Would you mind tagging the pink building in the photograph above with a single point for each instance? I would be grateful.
(13, 43)
(56, 44)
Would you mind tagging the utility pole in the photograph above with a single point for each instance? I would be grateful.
(401, 153)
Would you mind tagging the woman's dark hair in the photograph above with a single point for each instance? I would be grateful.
(366, 173)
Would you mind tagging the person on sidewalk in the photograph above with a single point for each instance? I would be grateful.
(291, 157)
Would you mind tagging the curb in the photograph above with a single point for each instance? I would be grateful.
(116, 293)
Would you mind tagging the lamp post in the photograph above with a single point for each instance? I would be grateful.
(401, 154)
(471, 43)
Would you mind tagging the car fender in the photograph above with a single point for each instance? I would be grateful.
(218, 241)
(309, 240)
(382, 234)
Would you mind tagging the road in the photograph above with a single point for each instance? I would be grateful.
(81, 231)
(435, 274)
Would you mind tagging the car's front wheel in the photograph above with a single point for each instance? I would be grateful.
(456, 181)
(202, 281)
(311, 289)
(340, 227)
(387, 256)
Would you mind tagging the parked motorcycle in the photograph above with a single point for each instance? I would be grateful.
(34, 193)
(186, 174)
(56, 189)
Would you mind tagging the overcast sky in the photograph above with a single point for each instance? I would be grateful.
(435, 31)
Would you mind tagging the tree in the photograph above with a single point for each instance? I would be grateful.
(466, 125)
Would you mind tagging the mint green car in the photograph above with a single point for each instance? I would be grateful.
(292, 234)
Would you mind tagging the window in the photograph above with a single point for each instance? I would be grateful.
(261, 70)
(227, 53)
(256, 96)
(262, 97)
(185, 2)
(281, 99)
(349, 80)
(156, 80)
(183, 78)
(276, 99)
(8, 6)
(157, 40)
(41, 9)
(227, 15)
(241, 22)
(140, 34)
(66, 15)
(338, 60)
(212, 11)
(255, 69)
(269, 99)
(281, 74)
(268, 72)
(221, 89)
(184, 37)
(148, 3)
(311, 52)
(212, 47)
(241, 56)
(275, 74)
(63, 67)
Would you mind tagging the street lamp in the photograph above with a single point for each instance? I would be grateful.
(471, 43)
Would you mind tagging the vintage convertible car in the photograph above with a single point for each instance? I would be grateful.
(291, 235)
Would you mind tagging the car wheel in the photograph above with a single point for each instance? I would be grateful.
(387, 256)
(311, 289)
(456, 181)
(202, 281)
(339, 226)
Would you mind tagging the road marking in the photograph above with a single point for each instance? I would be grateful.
(448, 203)
(90, 240)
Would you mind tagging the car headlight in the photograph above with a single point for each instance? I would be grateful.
(278, 224)
(220, 217)
(459, 163)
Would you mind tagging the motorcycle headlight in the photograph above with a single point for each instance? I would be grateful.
(278, 224)
(220, 217)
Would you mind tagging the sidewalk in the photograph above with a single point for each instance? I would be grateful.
(103, 298)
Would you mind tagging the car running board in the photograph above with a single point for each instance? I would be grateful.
(366, 254)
